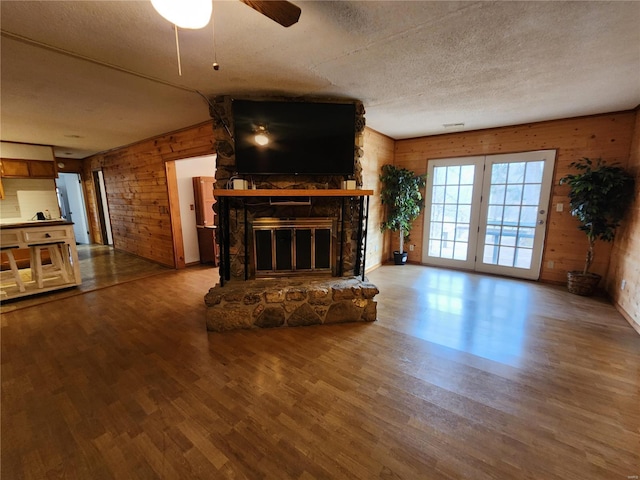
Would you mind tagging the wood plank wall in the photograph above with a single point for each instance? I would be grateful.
(625, 255)
(137, 191)
(378, 150)
(608, 136)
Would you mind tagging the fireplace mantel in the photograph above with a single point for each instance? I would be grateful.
(226, 195)
(292, 192)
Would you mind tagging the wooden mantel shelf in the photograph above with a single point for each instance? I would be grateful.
(281, 192)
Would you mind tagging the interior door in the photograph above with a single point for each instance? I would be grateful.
(204, 200)
(489, 213)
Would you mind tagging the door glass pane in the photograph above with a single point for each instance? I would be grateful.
(508, 236)
(531, 195)
(453, 175)
(467, 174)
(434, 247)
(534, 172)
(528, 216)
(436, 230)
(323, 248)
(284, 260)
(451, 200)
(439, 176)
(523, 257)
(495, 214)
(514, 195)
(493, 235)
(460, 251)
(450, 212)
(264, 256)
(465, 194)
(438, 194)
(303, 249)
(512, 213)
(437, 212)
(496, 197)
(451, 197)
(499, 173)
(516, 173)
(462, 232)
(490, 254)
(464, 214)
(525, 237)
(506, 256)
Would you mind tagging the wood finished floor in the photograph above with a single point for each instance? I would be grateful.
(100, 266)
(461, 377)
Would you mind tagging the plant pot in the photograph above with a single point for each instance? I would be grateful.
(400, 258)
(582, 283)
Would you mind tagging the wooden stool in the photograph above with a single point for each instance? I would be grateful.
(60, 263)
(14, 267)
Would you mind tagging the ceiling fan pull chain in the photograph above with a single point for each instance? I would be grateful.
(215, 50)
(178, 50)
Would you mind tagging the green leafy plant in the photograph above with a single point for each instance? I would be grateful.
(599, 196)
(402, 198)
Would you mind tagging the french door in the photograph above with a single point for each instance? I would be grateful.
(488, 213)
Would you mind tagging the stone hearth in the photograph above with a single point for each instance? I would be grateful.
(290, 302)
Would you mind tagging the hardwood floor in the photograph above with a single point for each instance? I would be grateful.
(461, 377)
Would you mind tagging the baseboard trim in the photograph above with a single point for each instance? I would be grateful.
(635, 325)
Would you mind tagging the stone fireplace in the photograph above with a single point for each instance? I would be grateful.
(292, 247)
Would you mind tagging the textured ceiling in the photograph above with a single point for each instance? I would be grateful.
(88, 76)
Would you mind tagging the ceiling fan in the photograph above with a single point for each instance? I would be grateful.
(196, 14)
(280, 11)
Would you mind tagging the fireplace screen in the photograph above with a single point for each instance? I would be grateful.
(286, 246)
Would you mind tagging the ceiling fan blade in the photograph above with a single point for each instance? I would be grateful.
(282, 12)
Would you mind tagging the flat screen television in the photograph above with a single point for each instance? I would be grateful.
(302, 137)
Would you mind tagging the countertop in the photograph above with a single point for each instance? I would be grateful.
(35, 223)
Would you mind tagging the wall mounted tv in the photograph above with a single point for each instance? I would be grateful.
(303, 137)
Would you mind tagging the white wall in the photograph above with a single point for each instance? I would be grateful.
(26, 151)
(70, 191)
(185, 170)
(11, 210)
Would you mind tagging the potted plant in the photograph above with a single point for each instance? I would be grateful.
(599, 196)
(403, 200)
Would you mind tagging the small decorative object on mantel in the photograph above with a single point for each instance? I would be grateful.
(599, 196)
(401, 195)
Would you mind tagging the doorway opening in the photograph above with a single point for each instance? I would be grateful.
(103, 207)
(72, 205)
(194, 241)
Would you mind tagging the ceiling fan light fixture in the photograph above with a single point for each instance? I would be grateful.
(191, 14)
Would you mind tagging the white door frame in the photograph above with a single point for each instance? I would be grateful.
(477, 224)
